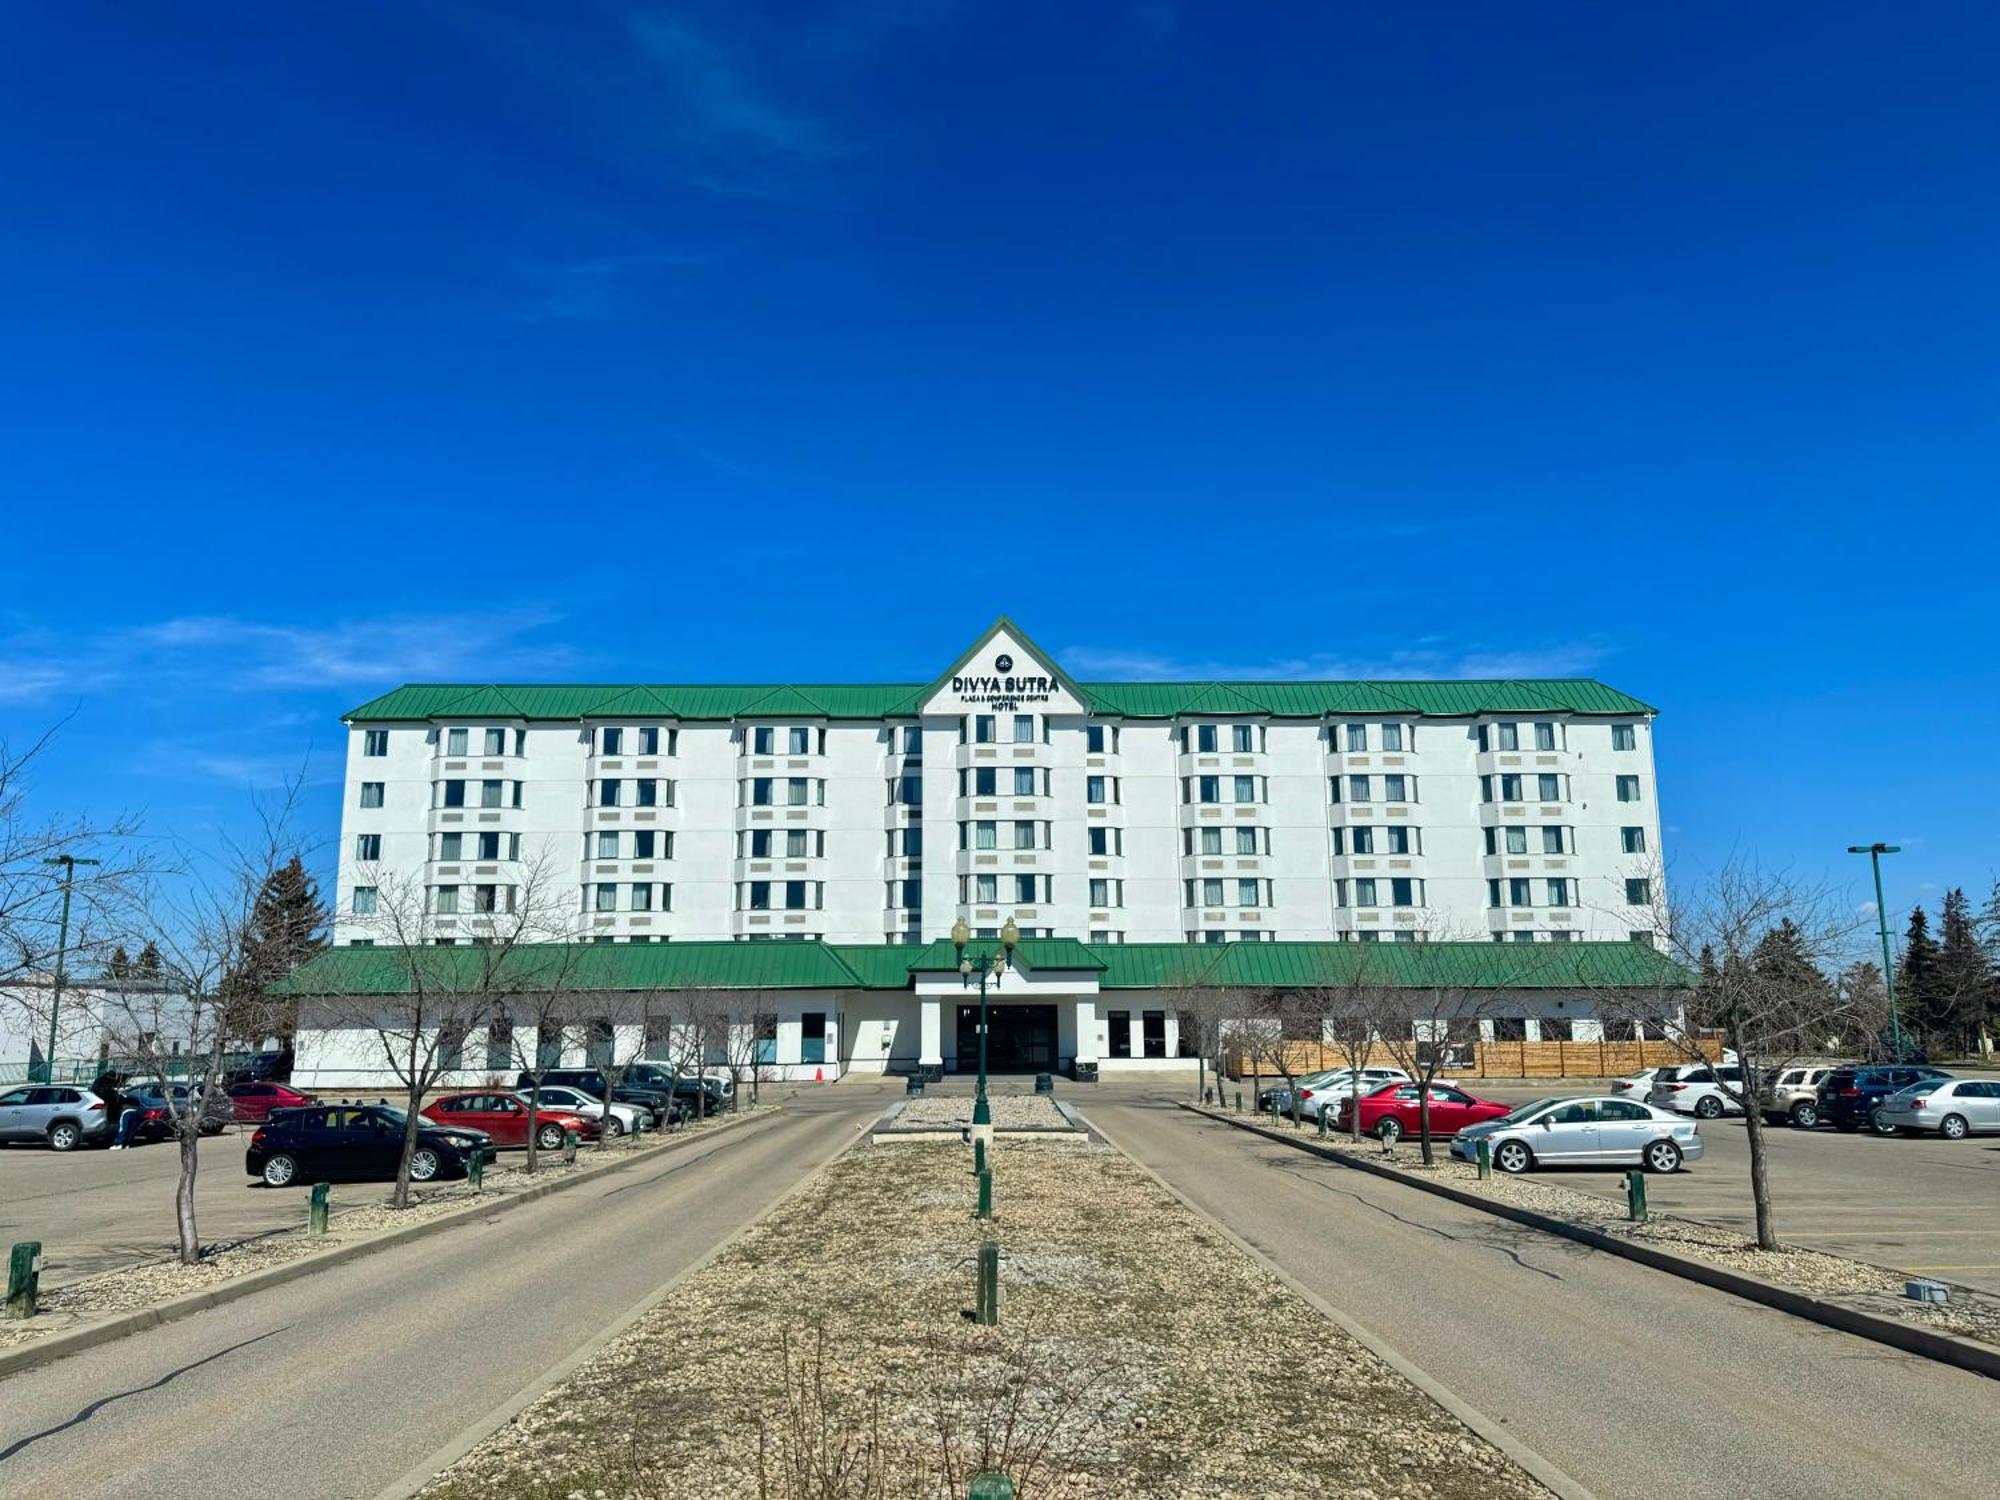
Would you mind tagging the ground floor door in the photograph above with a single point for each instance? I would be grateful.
(1023, 1039)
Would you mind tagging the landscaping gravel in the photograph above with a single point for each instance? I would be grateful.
(129, 1288)
(827, 1353)
(1970, 1312)
(1010, 1112)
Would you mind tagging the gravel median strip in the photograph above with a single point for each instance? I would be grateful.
(1138, 1353)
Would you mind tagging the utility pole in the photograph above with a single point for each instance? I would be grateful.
(69, 862)
(1875, 853)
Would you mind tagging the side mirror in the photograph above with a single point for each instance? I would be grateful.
(1545, 1122)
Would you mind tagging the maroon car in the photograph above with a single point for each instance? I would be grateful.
(253, 1102)
(1393, 1111)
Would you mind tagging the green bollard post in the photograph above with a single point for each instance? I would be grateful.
(990, 1487)
(1322, 1124)
(569, 1148)
(988, 1308)
(1635, 1196)
(978, 1155)
(317, 1211)
(24, 1278)
(1485, 1149)
(475, 1171)
(1239, 1101)
(986, 1192)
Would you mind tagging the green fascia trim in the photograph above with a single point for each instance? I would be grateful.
(1113, 700)
(668, 967)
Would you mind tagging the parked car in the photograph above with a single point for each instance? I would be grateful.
(1584, 1132)
(254, 1101)
(687, 1087)
(1953, 1107)
(655, 1101)
(626, 1119)
(505, 1118)
(262, 1067)
(1278, 1098)
(1849, 1097)
(217, 1108)
(1707, 1090)
(1794, 1095)
(320, 1142)
(1395, 1110)
(1634, 1085)
(60, 1114)
(1340, 1084)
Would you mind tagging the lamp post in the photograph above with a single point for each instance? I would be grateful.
(1875, 853)
(989, 971)
(69, 862)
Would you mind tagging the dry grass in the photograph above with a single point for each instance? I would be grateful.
(827, 1355)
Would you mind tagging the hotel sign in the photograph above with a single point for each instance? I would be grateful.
(1004, 688)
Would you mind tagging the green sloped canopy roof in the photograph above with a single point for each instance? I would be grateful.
(881, 966)
(1131, 700)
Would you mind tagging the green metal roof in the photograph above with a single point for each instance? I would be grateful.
(880, 966)
(1129, 700)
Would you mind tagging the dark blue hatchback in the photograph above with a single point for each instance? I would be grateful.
(1849, 1097)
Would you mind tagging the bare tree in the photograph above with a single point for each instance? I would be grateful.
(520, 951)
(1430, 1026)
(1347, 1016)
(1757, 946)
(1202, 1013)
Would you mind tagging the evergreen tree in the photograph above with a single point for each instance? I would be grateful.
(1784, 965)
(1965, 977)
(1926, 1009)
(120, 966)
(149, 965)
(287, 926)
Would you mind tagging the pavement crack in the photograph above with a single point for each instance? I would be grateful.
(1443, 1234)
(138, 1390)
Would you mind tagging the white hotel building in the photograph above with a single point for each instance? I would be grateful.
(858, 817)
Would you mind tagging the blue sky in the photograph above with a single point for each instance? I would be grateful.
(362, 343)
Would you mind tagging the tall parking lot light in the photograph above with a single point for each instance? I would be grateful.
(1875, 853)
(989, 973)
(69, 862)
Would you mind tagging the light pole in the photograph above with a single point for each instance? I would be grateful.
(69, 862)
(1875, 853)
(990, 971)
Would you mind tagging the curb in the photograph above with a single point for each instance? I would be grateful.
(1482, 1426)
(432, 1468)
(1980, 1359)
(62, 1345)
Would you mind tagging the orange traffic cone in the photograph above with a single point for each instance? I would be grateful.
(819, 1075)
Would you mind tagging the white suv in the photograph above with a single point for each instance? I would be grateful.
(1704, 1090)
(1327, 1092)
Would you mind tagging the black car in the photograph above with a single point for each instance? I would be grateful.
(661, 1104)
(356, 1142)
(692, 1089)
(1848, 1097)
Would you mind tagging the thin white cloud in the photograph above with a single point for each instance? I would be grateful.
(1429, 660)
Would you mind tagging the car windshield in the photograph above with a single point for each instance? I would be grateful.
(1527, 1111)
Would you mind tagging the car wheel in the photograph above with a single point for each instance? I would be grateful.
(1952, 1127)
(614, 1127)
(1512, 1157)
(1708, 1107)
(549, 1137)
(1663, 1156)
(1390, 1130)
(1805, 1114)
(425, 1164)
(280, 1170)
(1879, 1125)
(65, 1135)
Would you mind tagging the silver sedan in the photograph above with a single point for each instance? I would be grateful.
(1584, 1132)
(1952, 1107)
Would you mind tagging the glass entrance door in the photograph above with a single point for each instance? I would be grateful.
(1023, 1039)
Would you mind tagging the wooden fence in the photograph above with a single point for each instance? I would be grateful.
(1490, 1059)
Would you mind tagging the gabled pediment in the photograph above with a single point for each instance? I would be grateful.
(1005, 672)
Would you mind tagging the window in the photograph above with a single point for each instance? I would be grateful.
(763, 740)
(1562, 936)
(760, 895)
(1624, 737)
(1558, 892)
(1357, 736)
(1510, 788)
(1208, 789)
(1403, 892)
(375, 742)
(496, 742)
(611, 793)
(1024, 729)
(368, 847)
(649, 740)
(489, 845)
(1493, 896)
(1552, 839)
(1093, 739)
(1364, 840)
(645, 793)
(1510, 736)
(1246, 840)
(1364, 891)
(454, 742)
(492, 794)
(1358, 789)
(364, 901)
(1246, 789)
(1399, 840)
(1024, 890)
(795, 895)
(1517, 841)
(1395, 788)
(985, 781)
(798, 843)
(1632, 840)
(983, 729)
(1392, 736)
(1518, 893)
(371, 793)
(910, 789)
(1093, 789)
(1100, 893)
(607, 897)
(642, 896)
(1548, 787)
(1024, 835)
(1242, 738)
(451, 846)
(1211, 893)
(1510, 1028)
(445, 901)
(1024, 781)
(798, 740)
(1628, 789)
(986, 888)
(610, 740)
(1639, 893)
(985, 834)
(1206, 739)
(1098, 840)
(797, 791)
(1545, 736)
(1247, 892)
(607, 845)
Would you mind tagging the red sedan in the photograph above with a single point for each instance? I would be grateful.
(1392, 1111)
(254, 1102)
(505, 1118)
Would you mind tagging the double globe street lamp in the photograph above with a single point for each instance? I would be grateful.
(989, 971)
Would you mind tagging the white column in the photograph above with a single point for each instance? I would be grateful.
(930, 1036)
(1136, 1034)
(1086, 1030)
